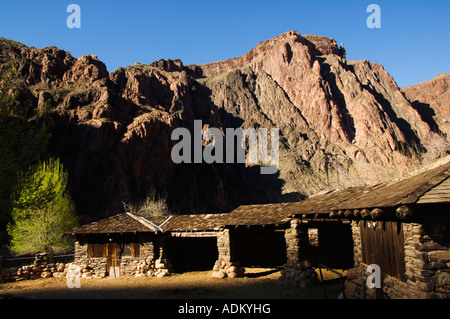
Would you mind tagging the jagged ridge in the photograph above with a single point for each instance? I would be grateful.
(342, 122)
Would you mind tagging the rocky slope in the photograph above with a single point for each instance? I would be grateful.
(432, 101)
(341, 122)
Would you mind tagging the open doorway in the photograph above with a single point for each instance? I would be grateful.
(259, 246)
(192, 253)
(330, 243)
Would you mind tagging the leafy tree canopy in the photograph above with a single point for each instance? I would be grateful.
(42, 210)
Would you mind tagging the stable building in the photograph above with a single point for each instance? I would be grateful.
(402, 226)
(224, 242)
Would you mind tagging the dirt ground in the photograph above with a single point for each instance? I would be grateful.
(258, 283)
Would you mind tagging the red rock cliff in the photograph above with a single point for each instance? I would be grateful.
(341, 122)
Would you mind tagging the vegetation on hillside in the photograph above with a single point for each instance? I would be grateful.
(24, 137)
(35, 208)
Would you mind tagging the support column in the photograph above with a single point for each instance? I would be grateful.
(297, 271)
(296, 238)
(225, 265)
(224, 245)
(163, 266)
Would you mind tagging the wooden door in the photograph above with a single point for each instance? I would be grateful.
(112, 255)
(384, 245)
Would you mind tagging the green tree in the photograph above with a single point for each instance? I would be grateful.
(24, 136)
(42, 210)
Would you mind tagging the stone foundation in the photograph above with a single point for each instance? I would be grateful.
(96, 267)
(300, 274)
(223, 269)
(153, 268)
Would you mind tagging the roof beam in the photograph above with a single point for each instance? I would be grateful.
(404, 212)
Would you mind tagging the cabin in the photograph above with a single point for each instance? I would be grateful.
(402, 226)
(225, 242)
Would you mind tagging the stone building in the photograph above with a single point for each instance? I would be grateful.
(403, 227)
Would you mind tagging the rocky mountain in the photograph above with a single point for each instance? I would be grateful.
(341, 122)
(432, 100)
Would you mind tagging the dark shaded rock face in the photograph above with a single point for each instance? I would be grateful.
(432, 100)
(341, 123)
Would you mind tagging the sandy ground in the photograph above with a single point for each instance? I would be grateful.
(258, 283)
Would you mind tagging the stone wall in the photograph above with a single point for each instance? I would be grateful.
(224, 245)
(427, 262)
(93, 267)
(297, 271)
(126, 266)
(33, 272)
(293, 236)
(226, 266)
(81, 251)
(129, 266)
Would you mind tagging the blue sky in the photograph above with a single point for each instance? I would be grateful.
(413, 42)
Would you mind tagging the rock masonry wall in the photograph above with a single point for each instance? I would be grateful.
(226, 266)
(427, 264)
(296, 271)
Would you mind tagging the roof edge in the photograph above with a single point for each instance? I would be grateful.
(146, 223)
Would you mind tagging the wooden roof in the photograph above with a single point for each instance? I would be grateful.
(203, 222)
(253, 215)
(440, 193)
(130, 223)
(432, 186)
(122, 223)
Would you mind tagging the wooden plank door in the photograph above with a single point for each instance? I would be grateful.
(384, 245)
(112, 254)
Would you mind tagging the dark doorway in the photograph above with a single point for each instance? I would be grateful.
(192, 253)
(330, 243)
(259, 246)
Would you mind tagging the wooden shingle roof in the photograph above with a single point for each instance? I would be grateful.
(122, 223)
(130, 223)
(200, 222)
(254, 215)
(440, 193)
